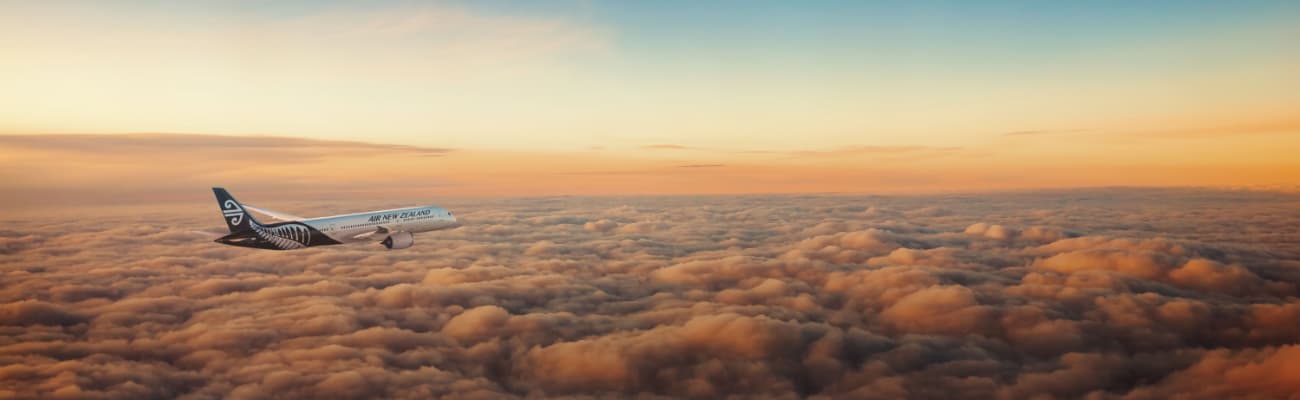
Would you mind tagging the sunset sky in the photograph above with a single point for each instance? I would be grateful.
(684, 97)
(697, 199)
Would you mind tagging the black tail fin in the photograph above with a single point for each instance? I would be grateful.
(238, 219)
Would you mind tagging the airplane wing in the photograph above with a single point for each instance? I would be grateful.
(274, 214)
(375, 233)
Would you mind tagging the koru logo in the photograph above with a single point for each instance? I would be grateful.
(232, 211)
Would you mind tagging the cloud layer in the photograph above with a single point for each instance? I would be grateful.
(1134, 294)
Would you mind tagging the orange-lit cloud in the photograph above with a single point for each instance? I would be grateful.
(1108, 294)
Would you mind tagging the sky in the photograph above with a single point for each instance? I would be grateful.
(993, 199)
(1001, 94)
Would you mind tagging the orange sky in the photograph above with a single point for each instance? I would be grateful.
(604, 99)
(80, 169)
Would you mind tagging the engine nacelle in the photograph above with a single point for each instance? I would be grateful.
(399, 240)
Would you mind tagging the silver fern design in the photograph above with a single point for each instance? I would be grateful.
(233, 211)
(285, 237)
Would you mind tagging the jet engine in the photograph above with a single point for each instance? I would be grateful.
(398, 240)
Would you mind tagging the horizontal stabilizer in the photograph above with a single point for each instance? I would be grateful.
(212, 233)
(274, 214)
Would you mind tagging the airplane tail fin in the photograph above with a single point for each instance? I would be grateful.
(238, 219)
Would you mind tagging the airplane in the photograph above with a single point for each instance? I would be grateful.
(396, 227)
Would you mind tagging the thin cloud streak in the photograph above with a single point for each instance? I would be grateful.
(193, 142)
(867, 150)
(667, 147)
(1041, 132)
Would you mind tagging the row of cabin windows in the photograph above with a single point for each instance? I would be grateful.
(377, 223)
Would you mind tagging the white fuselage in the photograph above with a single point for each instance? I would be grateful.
(392, 228)
(355, 227)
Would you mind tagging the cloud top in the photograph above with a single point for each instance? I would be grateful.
(1106, 294)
